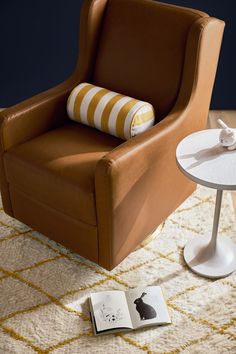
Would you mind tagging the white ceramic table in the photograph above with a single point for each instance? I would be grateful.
(202, 159)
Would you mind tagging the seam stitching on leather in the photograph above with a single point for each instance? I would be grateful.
(34, 168)
(50, 207)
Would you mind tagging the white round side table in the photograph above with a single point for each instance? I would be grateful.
(202, 159)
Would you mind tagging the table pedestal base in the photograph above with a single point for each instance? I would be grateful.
(208, 260)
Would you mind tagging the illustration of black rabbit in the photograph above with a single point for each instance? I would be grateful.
(146, 312)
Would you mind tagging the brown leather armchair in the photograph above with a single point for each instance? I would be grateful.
(94, 193)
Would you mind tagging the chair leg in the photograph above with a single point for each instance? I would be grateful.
(151, 237)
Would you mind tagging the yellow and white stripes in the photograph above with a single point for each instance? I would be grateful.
(108, 111)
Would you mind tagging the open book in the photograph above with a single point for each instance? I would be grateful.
(116, 311)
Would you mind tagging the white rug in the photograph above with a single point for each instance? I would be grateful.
(44, 290)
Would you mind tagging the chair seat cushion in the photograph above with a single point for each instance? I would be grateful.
(57, 168)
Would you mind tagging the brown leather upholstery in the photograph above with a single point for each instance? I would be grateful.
(143, 61)
(94, 193)
(63, 162)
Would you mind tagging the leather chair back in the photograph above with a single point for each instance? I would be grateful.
(141, 50)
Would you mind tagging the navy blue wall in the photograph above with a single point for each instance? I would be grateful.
(39, 46)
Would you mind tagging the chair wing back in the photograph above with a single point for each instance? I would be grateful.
(141, 50)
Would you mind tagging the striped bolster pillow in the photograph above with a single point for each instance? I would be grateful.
(108, 111)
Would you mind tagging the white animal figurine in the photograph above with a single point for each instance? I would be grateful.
(227, 136)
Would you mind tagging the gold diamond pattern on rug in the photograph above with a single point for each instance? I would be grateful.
(61, 275)
(15, 225)
(22, 251)
(44, 290)
(45, 335)
(176, 337)
(19, 296)
(5, 232)
(9, 344)
(160, 268)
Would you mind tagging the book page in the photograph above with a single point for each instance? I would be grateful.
(110, 310)
(147, 306)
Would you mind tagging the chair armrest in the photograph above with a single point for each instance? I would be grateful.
(35, 115)
(136, 179)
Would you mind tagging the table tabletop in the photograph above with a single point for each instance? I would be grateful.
(204, 160)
